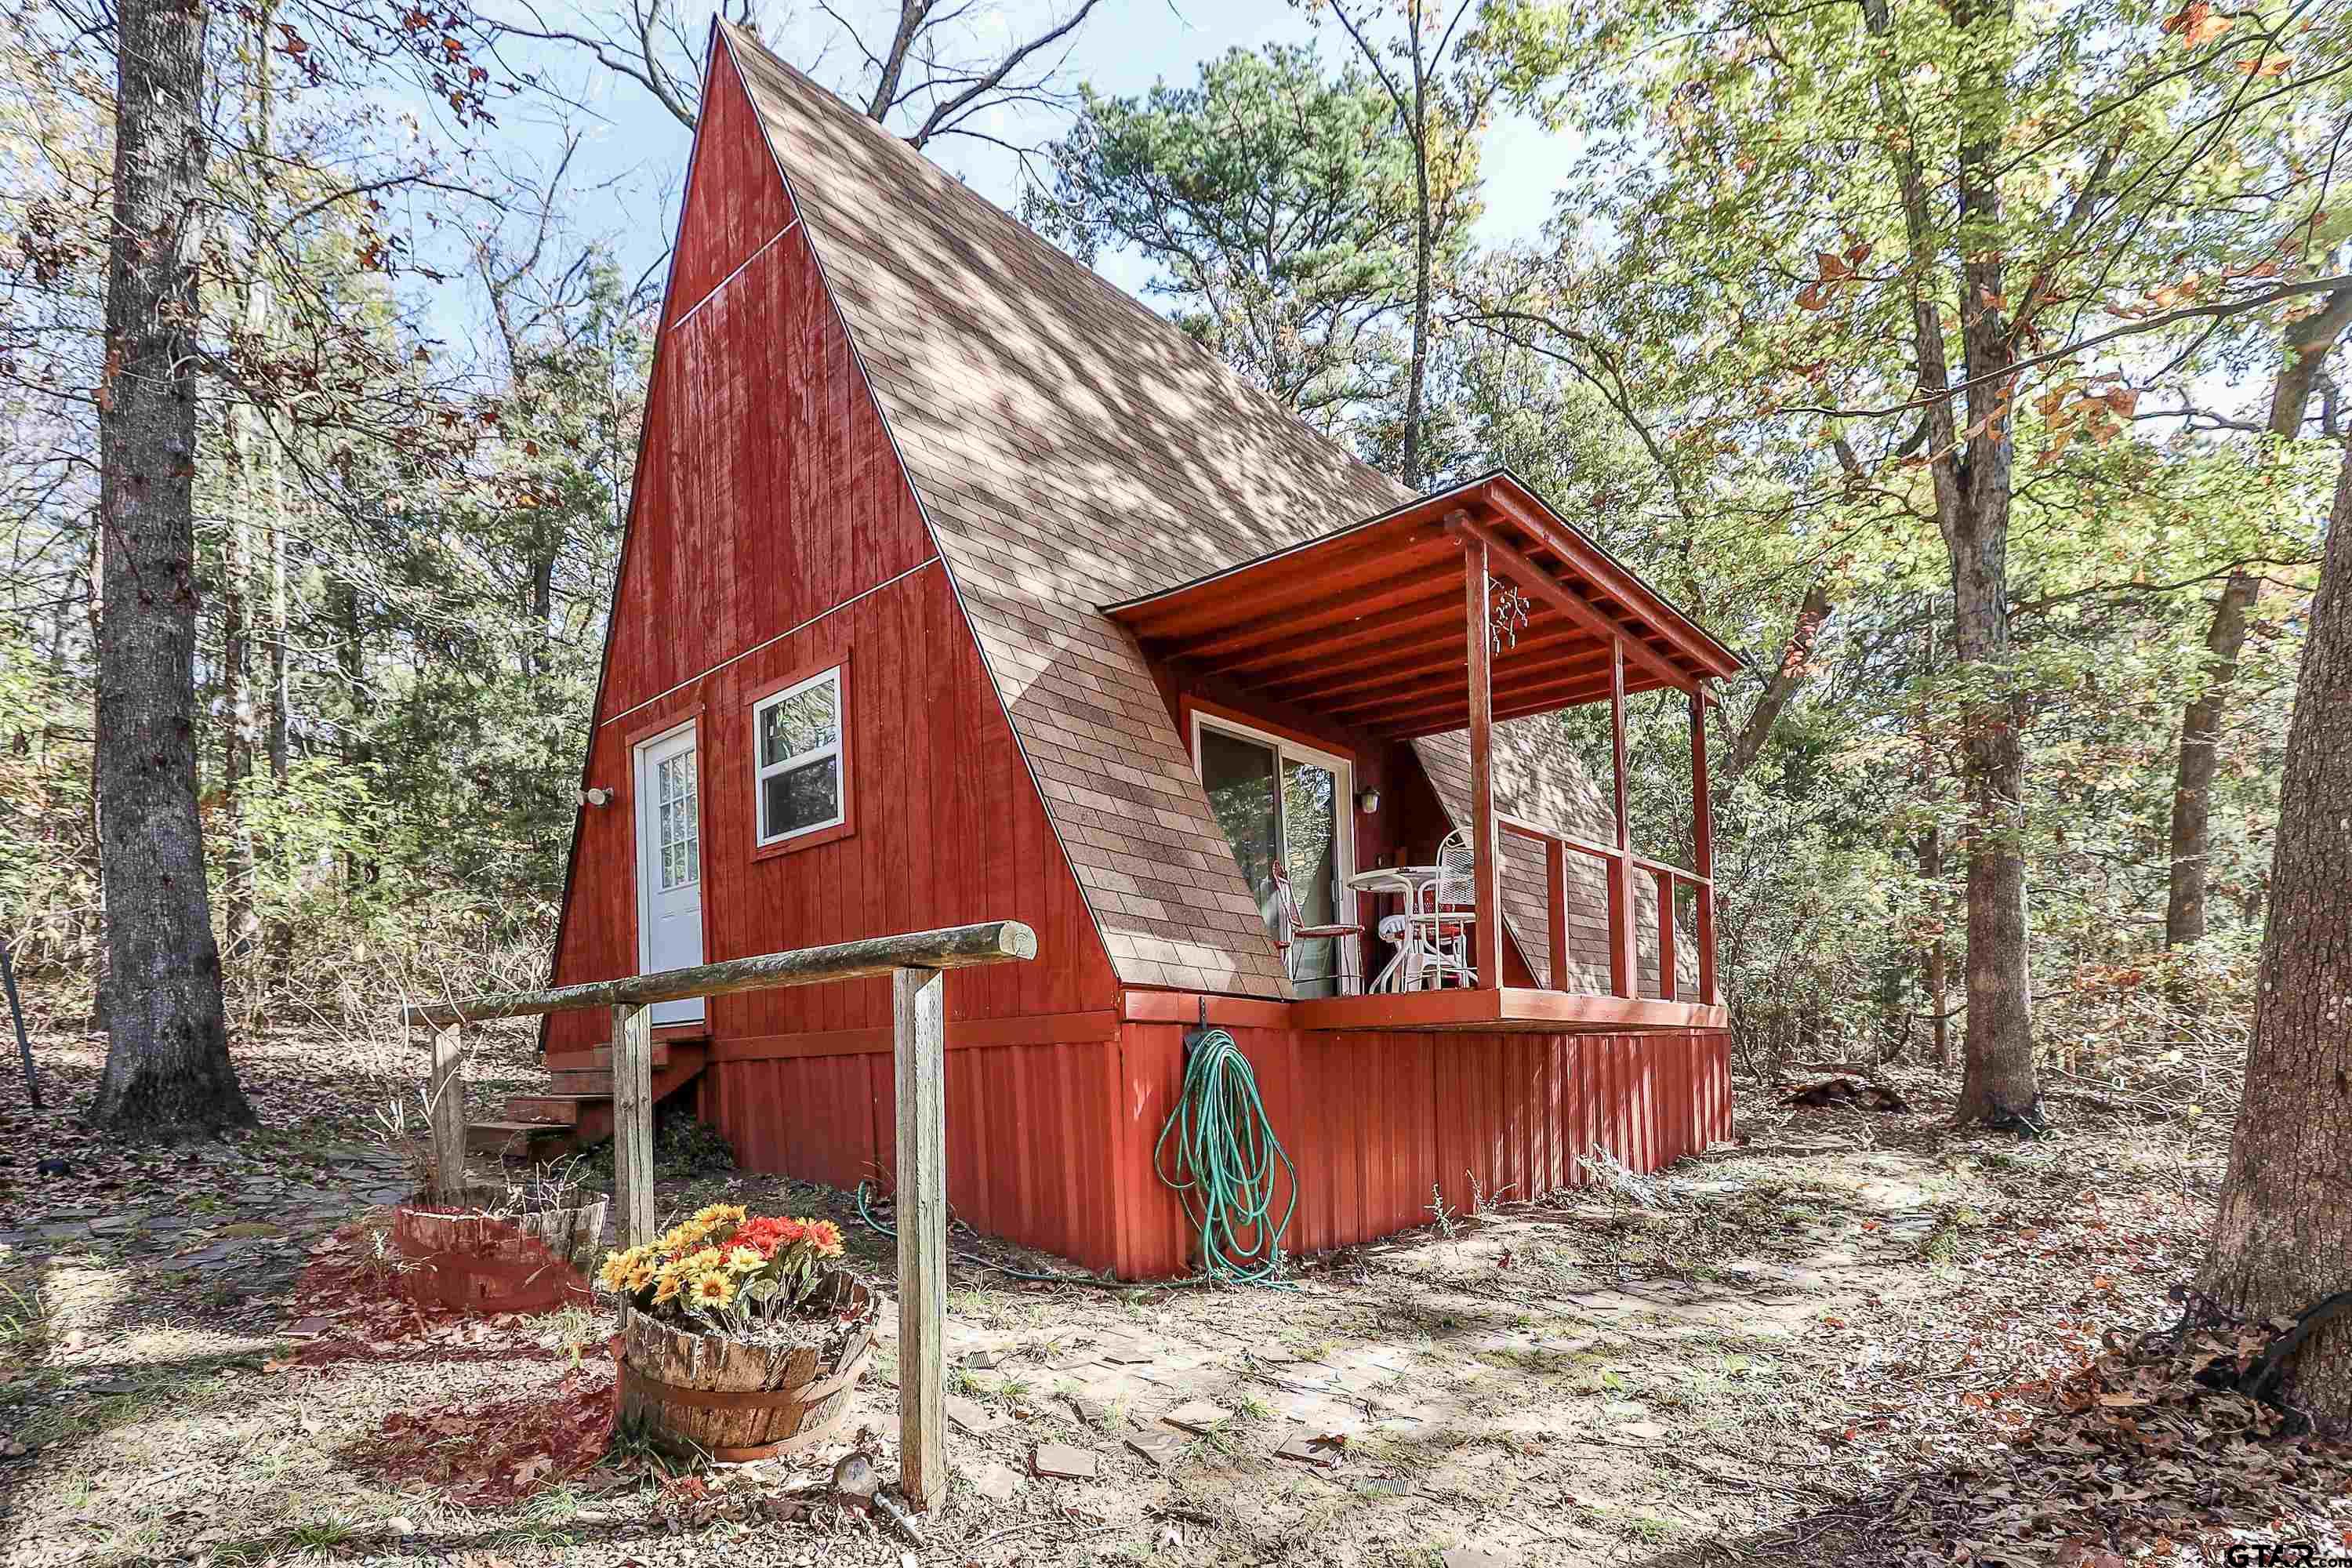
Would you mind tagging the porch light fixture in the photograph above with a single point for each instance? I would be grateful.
(1368, 802)
(595, 798)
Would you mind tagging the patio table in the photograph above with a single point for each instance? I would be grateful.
(1407, 882)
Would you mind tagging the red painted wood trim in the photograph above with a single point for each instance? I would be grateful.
(967, 1034)
(1666, 879)
(1624, 955)
(847, 826)
(691, 713)
(1487, 932)
(1652, 611)
(1556, 904)
(1512, 1006)
(1145, 1006)
(1550, 589)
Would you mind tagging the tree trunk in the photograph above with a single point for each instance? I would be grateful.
(167, 1065)
(1998, 1081)
(1938, 962)
(1748, 744)
(97, 1008)
(2283, 1239)
(241, 737)
(1422, 245)
(2308, 342)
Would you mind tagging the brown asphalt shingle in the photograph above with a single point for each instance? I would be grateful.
(1071, 449)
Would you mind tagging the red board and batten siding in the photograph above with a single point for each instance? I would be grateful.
(1379, 1123)
(773, 531)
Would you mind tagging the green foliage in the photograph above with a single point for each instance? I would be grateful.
(1278, 202)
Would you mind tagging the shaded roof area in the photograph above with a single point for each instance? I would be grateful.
(1368, 623)
(1071, 449)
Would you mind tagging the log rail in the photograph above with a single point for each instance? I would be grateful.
(914, 961)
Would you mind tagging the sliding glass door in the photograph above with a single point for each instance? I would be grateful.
(1276, 798)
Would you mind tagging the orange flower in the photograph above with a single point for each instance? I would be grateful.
(826, 1236)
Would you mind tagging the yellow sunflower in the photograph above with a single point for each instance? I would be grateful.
(640, 1278)
(713, 1290)
(617, 1266)
(668, 1287)
(746, 1260)
(717, 1215)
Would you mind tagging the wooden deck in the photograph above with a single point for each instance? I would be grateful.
(1512, 1007)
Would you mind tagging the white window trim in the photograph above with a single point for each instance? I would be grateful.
(760, 774)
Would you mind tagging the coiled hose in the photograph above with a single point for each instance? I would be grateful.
(1222, 1166)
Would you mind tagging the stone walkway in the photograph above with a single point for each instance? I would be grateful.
(242, 1225)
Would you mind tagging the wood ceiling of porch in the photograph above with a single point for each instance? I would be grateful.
(1369, 626)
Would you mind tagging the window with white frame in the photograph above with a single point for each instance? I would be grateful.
(797, 758)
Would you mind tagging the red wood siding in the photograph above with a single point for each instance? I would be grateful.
(947, 828)
(735, 202)
(769, 492)
(1376, 1122)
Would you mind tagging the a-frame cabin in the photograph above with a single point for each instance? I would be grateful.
(951, 574)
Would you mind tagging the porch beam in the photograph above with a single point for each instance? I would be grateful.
(1547, 587)
(1703, 850)
(1624, 955)
(1487, 932)
(1372, 604)
(1589, 561)
(1266, 590)
(1365, 684)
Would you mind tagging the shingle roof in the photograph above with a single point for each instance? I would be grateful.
(1071, 448)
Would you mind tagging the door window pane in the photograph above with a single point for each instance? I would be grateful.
(1239, 778)
(1310, 828)
(679, 827)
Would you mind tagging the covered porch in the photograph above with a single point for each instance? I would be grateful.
(1438, 622)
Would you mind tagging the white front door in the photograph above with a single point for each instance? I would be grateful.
(669, 864)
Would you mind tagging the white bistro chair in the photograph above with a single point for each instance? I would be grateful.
(1443, 926)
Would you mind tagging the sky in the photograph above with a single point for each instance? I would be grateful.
(632, 160)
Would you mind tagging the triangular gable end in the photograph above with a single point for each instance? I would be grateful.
(1159, 879)
(1167, 898)
(745, 303)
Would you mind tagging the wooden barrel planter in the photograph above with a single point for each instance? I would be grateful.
(480, 1262)
(735, 1402)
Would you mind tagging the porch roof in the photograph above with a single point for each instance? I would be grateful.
(1367, 624)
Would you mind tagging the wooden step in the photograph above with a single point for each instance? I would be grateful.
(561, 1109)
(581, 1083)
(601, 1058)
(527, 1139)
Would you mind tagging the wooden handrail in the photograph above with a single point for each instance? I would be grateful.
(919, 1037)
(952, 947)
(1668, 876)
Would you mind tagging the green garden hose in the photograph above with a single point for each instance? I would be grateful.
(1224, 1153)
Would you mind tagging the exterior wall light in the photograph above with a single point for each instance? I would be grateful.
(1369, 802)
(595, 798)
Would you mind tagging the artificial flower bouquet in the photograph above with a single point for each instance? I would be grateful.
(724, 1269)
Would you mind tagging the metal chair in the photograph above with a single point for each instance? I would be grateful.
(1291, 928)
(1444, 925)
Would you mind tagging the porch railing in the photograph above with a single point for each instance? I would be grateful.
(1621, 866)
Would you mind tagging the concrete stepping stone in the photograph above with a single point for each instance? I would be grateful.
(1059, 1461)
(974, 1417)
(998, 1483)
(1161, 1448)
(1197, 1415)
(1470, 1557)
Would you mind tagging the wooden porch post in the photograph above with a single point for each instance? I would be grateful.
(1487, 936)
(632, 1123)
(1624, 953)
(1556, 901)
(919, 1033)
(1703, 847)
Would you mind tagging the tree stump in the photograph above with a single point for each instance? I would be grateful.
(706, 1395)
(479, 1262)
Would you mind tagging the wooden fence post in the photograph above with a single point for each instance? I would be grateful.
(919, 1056)
(445, 1115)
(632, 1123)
